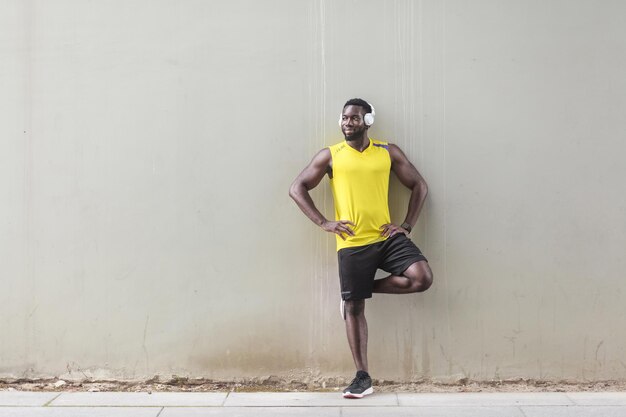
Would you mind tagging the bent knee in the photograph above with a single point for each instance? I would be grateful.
(424, 282)
(422, 279)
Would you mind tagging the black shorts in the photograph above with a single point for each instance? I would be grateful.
(358, 265)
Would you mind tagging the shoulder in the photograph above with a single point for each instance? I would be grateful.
(395, 152)
(380, 144)
(397, 155)
(391, 149)
(336, 148)
(323, 156)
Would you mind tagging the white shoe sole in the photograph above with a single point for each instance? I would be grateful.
(368, 391)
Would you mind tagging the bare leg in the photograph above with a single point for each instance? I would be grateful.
(356, 329)
(417, 278)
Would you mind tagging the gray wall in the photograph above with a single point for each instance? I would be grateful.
(146, 149)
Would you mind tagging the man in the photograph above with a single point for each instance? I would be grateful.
(359, 170)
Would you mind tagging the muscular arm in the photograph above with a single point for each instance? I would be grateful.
(308, 179)
(410, 178)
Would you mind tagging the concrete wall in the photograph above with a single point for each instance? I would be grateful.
(146, 149)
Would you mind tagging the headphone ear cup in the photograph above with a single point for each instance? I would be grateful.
(339, 121)
(369, 117)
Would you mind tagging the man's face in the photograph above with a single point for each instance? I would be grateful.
(352, 124)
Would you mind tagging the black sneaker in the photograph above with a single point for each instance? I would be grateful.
(360, 386)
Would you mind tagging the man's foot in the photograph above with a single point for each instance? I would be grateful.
(360, 386)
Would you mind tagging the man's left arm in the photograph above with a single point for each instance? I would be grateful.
(411, 179)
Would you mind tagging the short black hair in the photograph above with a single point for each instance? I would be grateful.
(359, 102)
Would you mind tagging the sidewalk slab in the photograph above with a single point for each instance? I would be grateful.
(140, 399)
(306, 399)
(575, 411)
(252, 412)
(25, 398)
(598, 398)
(458, 411)
(79, 411)
(490, 399)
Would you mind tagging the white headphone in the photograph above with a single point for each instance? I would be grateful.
(368, 119)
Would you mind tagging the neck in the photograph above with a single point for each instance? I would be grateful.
(360, 144)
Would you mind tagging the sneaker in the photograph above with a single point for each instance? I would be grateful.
(360, 386)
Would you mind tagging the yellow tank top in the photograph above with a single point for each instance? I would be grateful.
(360, 185)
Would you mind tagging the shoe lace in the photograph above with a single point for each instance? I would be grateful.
(358, 381)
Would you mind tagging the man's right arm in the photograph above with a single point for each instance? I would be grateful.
(308, 179)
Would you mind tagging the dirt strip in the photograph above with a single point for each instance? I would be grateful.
(273, 384)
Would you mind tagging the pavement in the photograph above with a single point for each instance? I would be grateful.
(304, 404)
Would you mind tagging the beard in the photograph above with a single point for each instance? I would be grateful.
(356, 134)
